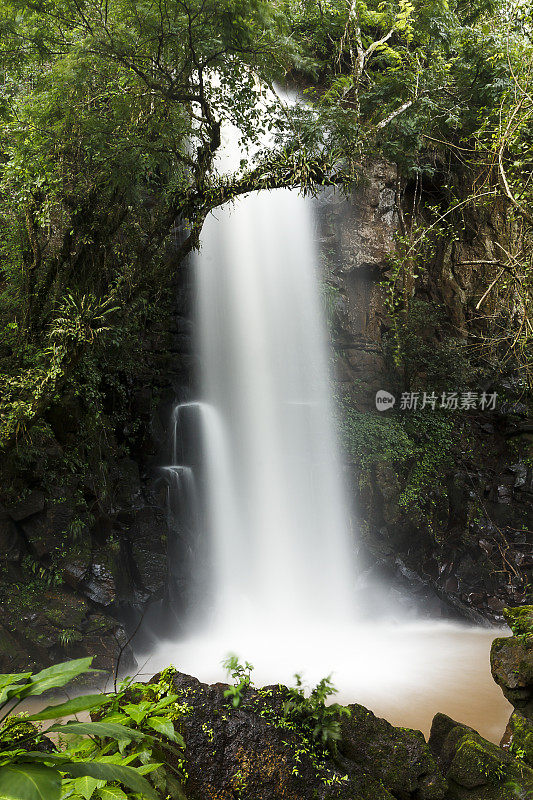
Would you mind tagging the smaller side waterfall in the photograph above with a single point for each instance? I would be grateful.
(197, 438)
(184, 509)
(183, 496)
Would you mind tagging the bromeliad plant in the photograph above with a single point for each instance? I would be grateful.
(93, 759)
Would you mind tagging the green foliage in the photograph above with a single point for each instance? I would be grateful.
(306, 713)
(372, 438)
(419, 446)
(45, 577)
(313, 715)
(518, 791)
(420, 353)
(95, 759)
(433, 433)
(520, 620)
(241, 674)
(110, 121)
(396, 76)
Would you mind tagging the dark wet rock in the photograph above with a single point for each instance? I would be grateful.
(517, 408)
(399, 758)
(404, 570)
(147, 534)
(142, 401)
(496, 605)
(127, 482)
(254, 753)
(32, 504)
(520, 473)
(48, 530)
(98, 585)
(505, 493)
(9, 540)
(511, 660)
(75, 571)
(107, 641)
(64, 418)
(476, 769)
(390, 490)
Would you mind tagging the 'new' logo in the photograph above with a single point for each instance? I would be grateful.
(384, 400)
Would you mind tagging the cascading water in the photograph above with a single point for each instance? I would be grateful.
(275, 577)
(280, 542)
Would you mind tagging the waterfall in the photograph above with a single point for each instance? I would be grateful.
(278, 532)
(271, 565)
(276, 537)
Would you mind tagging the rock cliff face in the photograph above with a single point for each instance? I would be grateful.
(81, 563)
(468, 553)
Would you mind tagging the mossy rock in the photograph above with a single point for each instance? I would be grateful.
(399, 758)
(519, 734)
(475, 768)
(255, 752)
(511, 661)
(480, 770)
(520, 620)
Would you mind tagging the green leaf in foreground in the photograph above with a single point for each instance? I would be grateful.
(111, 793)
(101, 729)
(166, 728)
(74, 706)
(129, 776)
(8, 679)
(86, 786)
(29, 782)
(56, 676)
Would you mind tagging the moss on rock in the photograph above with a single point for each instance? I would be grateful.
(398, 757)
(520, 620)
(257, 751)
(519, 736)
(511, 661)
(475, 768)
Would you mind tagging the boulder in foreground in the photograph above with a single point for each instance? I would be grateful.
(260, 751)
